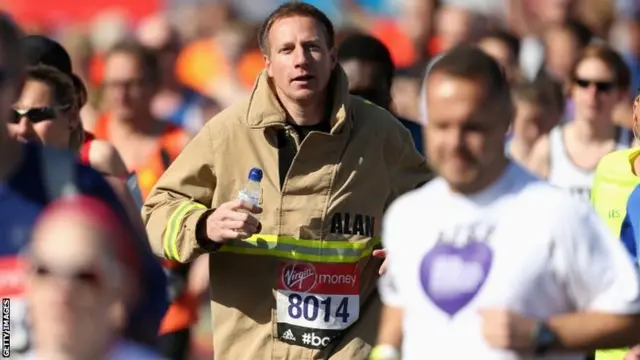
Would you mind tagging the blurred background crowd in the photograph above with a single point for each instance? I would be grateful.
(206, 57)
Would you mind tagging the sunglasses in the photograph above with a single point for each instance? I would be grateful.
(601, 86)
(82, 277)
(36, 115)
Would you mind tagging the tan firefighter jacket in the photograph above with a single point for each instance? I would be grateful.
(305, 287)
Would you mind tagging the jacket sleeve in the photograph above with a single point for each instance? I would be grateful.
(410, 169)
(180, 198)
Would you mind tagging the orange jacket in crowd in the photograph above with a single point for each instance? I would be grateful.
(183, 312)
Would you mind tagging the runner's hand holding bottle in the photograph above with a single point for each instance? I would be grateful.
(237, 219)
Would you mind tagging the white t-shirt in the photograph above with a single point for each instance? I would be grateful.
(564, 173)
(521, 245)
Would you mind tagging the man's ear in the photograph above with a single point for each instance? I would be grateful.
(267, 65)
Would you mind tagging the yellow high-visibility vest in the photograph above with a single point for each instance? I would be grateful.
(614, 182)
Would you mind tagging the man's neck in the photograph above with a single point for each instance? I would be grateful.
(491, 175)
(141, 123)
(592, 131)
(304, 114)
(519, 149)
(10, 156)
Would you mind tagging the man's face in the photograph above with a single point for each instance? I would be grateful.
(465, 134)
(562, 51)
(527, 123)
(594, 90)
(366, 81)
(127, 92)
(452, 27)
(71, 285)
(500, 52)
(552, 11)
(299, 59)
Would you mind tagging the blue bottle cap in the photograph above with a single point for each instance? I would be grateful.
(255, 174)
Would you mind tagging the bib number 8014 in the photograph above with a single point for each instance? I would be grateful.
(309, 307)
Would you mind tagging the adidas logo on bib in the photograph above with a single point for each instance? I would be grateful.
(288, 335)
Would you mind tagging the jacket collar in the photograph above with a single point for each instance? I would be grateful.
(265, 110)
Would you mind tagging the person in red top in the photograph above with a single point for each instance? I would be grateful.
(82, 270)
(50, 66)
(148, 146)
(99, 154)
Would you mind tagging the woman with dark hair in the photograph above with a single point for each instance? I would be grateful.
(81, 270)
(568, 156)
(47, 112)
(99, 154)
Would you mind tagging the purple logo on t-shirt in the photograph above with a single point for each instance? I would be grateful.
(451, 275)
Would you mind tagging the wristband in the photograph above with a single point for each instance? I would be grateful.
(384, 352)
(543, 338)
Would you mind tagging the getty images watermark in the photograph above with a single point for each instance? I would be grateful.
(6, 327)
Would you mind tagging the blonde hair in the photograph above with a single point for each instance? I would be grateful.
(65, 94)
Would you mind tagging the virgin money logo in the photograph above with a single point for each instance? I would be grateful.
(299, 277)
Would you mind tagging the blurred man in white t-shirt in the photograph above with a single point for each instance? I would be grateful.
(487, 261)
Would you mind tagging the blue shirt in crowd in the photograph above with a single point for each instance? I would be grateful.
(24, 195)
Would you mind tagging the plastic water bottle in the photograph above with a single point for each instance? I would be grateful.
(251, 192)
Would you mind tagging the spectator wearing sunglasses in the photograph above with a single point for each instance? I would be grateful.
(568, 156)
(82, 277)
(101, 155)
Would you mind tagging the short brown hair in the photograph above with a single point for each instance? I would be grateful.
(61, 84)
(292, 9)
(470, 63)
(147, 59)
(611, 58)
(64, 93)
(541, 92)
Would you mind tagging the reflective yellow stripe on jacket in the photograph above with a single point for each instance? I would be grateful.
(617, 354)
(288, 247)
(170, 237)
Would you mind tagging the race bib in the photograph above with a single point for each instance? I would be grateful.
(316, 302)
(12, 281)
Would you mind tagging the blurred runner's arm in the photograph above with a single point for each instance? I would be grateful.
(125, 197)
(603, 283)
(410, 171)
(198, 281)
(180, 199)
(391, 318)
(600, 280)
(409, 168)
(106, 159)
(390, 329)
(538, 161)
